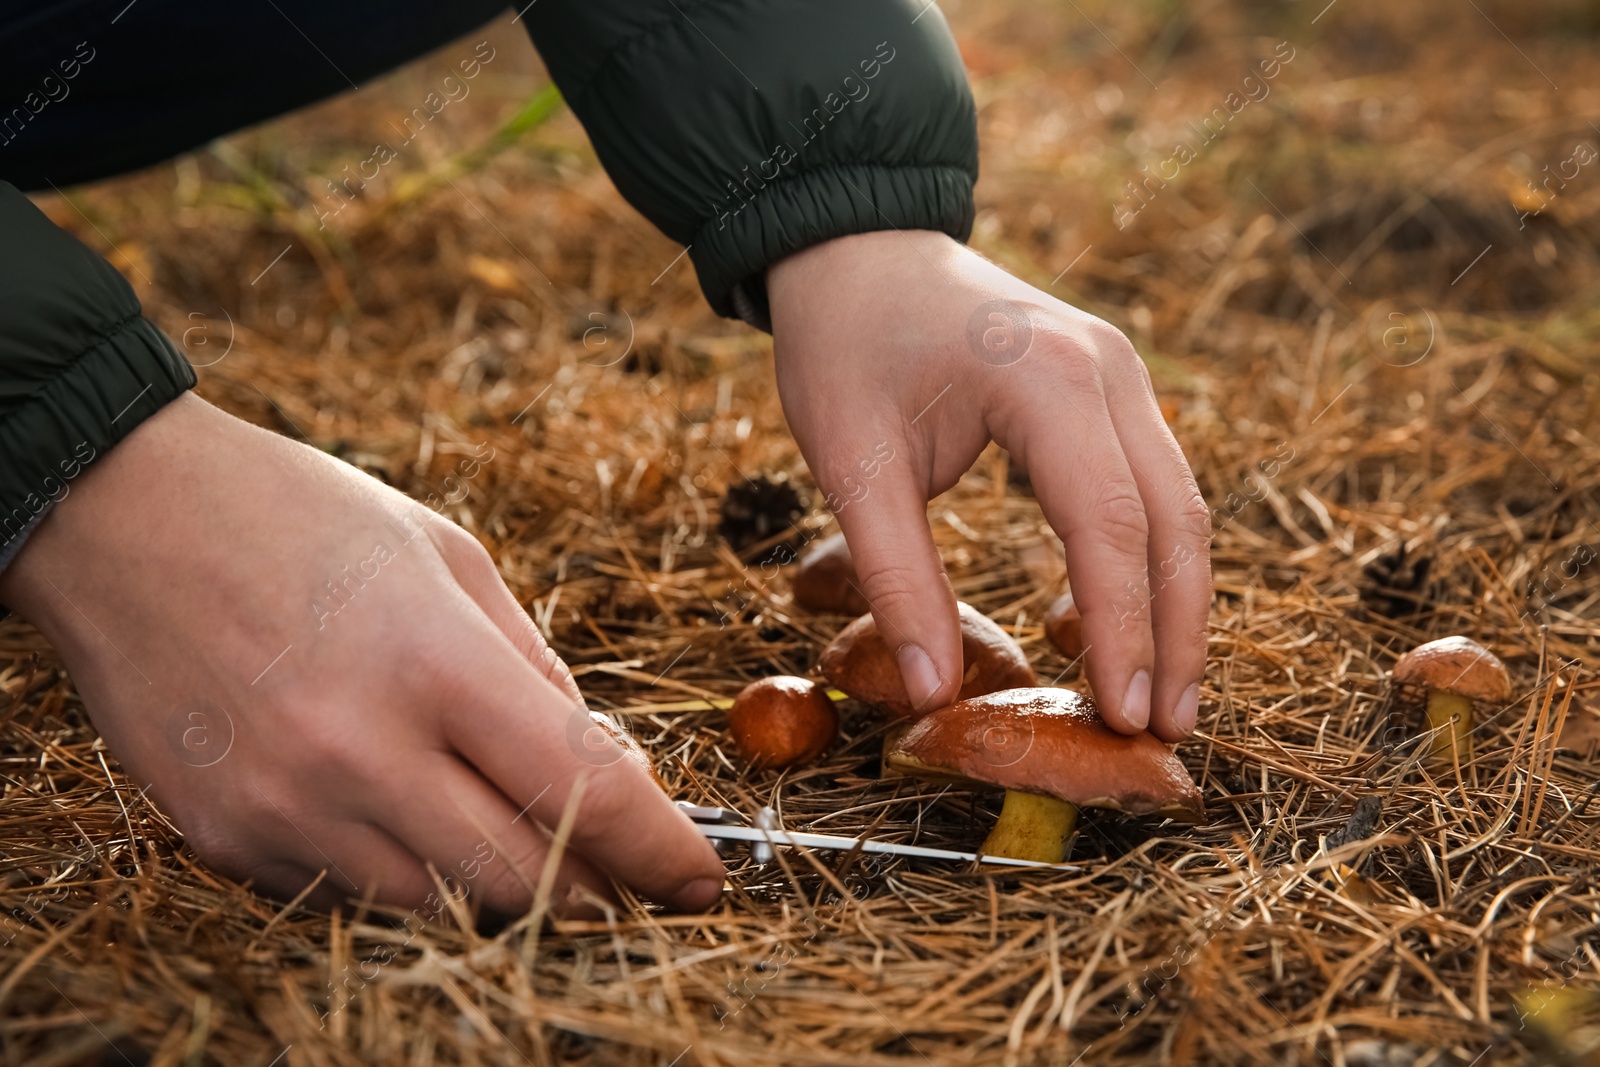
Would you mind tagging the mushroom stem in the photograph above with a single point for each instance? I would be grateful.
(1032, 827)
(1451, 715)
(1351, 885)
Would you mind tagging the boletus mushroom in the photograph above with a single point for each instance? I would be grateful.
(1454, 672)
(1063, 625)
(862, 663)
(1053, 754)
(782, 721)
(825, 579)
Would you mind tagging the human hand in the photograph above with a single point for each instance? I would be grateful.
(908, 344)
(188, 581)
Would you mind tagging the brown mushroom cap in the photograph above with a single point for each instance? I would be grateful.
(1050, 742)
(1063, 625)
(860, 662)
(825, 579)
(781, 721)
(1456, 665)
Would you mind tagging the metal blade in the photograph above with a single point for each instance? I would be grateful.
(849, 844)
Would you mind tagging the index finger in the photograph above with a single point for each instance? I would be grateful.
(534, 743)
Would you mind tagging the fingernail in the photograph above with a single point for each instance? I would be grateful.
(922, 681)
(1187, 713)
(698, 895)
(1136, 702)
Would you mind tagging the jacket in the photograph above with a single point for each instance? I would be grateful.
(744, 129)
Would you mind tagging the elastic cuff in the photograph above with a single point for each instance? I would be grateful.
(10, 547)
(94, 402)
(732, 252)
(9, 550)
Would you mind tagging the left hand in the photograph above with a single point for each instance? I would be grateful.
(310, 672)
(909, 345)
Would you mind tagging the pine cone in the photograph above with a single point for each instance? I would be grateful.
(1395, 586)
(759, 508)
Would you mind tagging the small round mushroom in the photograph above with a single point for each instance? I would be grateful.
(1454, 671)
(861, 663)
(1063, 625)
(782, 721)
(825, 579)
(1053, 754)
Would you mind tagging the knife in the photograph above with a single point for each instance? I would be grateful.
(726, 827)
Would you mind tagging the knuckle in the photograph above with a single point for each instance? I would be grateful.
(285, 879)
(218, 838)
(555, 668)
(1073, 365)
(532, 647)
(210, 841)
(891, 589)
(1104, 341)
(1191, 519)
(1119, 361)
(1093, 359)
(1121, 517)
(531, 643)
(1111, 344)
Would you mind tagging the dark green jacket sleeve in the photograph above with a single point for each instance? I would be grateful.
(80, 367)
(750, 129)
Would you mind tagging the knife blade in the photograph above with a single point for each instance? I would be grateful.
(759, 835)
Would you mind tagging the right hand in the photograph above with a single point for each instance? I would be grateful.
(179, 580)
(900, 356)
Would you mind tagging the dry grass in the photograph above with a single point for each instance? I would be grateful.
(414, 327)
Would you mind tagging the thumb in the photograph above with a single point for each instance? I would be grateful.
(900, 573)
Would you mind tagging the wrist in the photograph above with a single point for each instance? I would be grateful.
(797, 273)
(97, 501)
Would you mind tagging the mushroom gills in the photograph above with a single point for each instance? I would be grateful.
(1450, 716)
(1032, 827)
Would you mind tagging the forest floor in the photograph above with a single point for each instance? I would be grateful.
(1368, 300)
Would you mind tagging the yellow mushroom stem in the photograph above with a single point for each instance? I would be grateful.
(1451, 716)
(1352, 886)
(1032, 828)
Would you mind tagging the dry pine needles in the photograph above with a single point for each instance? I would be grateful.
(1348, 903)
